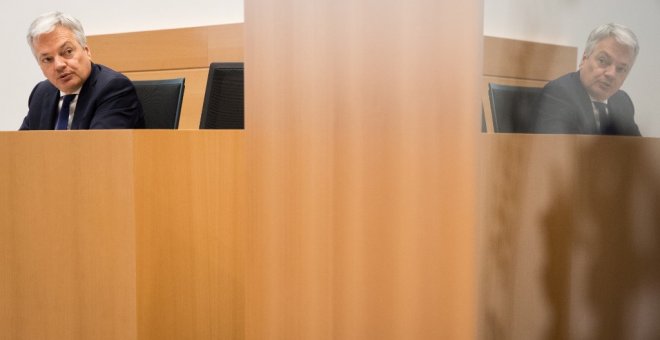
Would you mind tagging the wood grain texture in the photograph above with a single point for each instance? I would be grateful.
(362, 121)
(179, 48)
(67, 251)
(527, 60)
(193, 97)
(172, 53)
(226, 43)
(569, 228)
(152, 50)
(485, 95)
(522, 63)
(122, 234)
(190, 204)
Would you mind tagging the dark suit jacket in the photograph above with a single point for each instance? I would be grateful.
(564, 106)
(107, 100)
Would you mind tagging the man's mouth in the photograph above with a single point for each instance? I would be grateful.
(604, 85)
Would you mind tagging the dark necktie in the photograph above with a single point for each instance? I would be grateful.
(603, 118)
(63, 117)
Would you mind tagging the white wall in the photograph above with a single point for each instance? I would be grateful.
(565, 22)
(98, 17)
(568, 22)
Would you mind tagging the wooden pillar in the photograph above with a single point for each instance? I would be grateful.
(361, 126)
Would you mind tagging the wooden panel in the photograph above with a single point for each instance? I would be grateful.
(485, 96)
(569, 237)
(190, 206)
(67, 244)
(182, 52)
(527, 60)
(522, 63)
(225, 43)
(122, 234)
(180, 48)
(193, 96)
(152, 50)
(361, 150)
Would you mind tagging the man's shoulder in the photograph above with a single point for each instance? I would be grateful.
(102, 71)
(620, 101)
(620, 95)
(43, 89)
(44, 86)
(104, 78)
(564, 82)
(565, 93)
(567, 89)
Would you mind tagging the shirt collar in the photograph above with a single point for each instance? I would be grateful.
(62, 94)
(600, 101)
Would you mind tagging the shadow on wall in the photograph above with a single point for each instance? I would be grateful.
(602, 238)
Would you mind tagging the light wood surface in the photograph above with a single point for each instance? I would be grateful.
(522, 63)
(569, 237)
(172, 53)
(568, 224)
(189, 203)
(362, 120)
(122, 235)
(485, 95)
(359, 203)
(526, 59)
(170, 49)
(193, 98)
(68, 241)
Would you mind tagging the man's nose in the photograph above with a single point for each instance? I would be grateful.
(60, 63)
(610, 71)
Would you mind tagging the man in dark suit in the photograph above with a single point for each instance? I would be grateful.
(590, 101)
(77, 94)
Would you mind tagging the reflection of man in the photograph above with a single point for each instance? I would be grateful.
(589, 101)
(78, 93)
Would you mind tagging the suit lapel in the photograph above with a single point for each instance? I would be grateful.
(615, 109)
(51, 100)
(587, 118)
(83, 99)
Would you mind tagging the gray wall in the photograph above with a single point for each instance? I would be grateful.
(98, 17)
(568, 22)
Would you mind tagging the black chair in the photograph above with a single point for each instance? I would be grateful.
(223, 100)
(161, 101)
(512, 107)
(483, 120)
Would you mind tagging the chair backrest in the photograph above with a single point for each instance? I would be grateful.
(483, 120)
(512, 107)
(223, 101)
(161, 101)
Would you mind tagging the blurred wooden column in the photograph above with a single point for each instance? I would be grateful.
(361, 122)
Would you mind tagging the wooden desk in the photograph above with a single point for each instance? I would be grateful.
(569, 237)
(121, 234)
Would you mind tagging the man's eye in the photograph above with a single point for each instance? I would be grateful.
(622, 69)
(68, 51)
(46, 60)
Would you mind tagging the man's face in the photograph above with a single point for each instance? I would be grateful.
(603, 71)
(64, 62)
